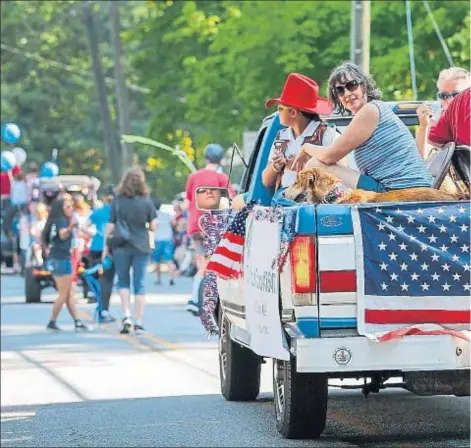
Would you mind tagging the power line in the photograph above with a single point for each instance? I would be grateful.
(439, 34)
(37, 57)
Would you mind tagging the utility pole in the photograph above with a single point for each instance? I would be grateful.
(360, 34)
(108, 131)
(121, 89)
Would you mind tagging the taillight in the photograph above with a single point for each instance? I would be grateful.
(303, 265)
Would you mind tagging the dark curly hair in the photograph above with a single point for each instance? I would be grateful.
(349, 70)
(133, 184)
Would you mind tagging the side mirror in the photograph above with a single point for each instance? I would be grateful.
(212, 198)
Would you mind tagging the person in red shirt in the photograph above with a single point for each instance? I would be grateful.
(6, 179)
(453, 125)
(209, 176)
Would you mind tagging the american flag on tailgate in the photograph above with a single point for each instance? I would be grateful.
(226, 261)
(413, 269)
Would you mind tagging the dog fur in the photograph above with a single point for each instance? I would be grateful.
(313, 185)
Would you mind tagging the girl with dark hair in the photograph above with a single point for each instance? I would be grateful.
(57, 236)
(384, 149)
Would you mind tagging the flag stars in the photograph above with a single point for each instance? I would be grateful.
(464, 248)
(424, 266)
(410, 219)
(414, 277)
(432, 238)
(381, 226)
(466, 267)
(404, 267)
(400, 228)
(382, 246)
(455, 258)
(452, 218)
(453, 238)
(446, 267)
(392, 256)
(383, 266)
(435, 276)
(444, 248)
(405, 286)
(456, 277)
(399, 211)
(425, 286)
(413, 256)
(392, 237)
(435, 257)
(403, 246)
(441, 210)
(384, 286)
(431, 218)
(393, 277)
(467, 287)
(464, 228)
(378, 210)
(446, 287)
(461, 210)
(389, 219)
(421, 229)
(443, 228)
(423, 247)
(420, 211)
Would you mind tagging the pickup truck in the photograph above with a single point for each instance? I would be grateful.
(307, 318)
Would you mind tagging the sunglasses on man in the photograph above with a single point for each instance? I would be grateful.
(351, 86)
(446, 95)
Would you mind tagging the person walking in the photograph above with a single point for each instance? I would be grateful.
(132, 216)
(99, 220)
(57, 236)
(164, 244)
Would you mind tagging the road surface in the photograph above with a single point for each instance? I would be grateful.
(103, 389)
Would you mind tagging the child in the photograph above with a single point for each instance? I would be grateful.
(37, 227)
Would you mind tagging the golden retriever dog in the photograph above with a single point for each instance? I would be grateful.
(315, 185)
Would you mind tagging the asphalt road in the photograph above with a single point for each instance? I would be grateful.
(103, 389)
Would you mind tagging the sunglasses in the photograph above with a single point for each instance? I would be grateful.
(206, 190)
(351, 86)
(445, 95)
(282, 108)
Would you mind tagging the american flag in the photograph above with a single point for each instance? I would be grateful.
(226, 261)
(413, 268)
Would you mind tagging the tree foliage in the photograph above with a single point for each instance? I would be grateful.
(208, 66)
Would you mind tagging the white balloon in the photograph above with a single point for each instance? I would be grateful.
(20, 155)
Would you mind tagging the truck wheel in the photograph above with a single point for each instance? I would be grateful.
(239, 367)
(300, 401)
(32, 287)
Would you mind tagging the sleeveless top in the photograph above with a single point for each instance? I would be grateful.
(390, 156)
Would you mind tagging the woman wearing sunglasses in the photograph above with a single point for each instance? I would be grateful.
(450, 83)
(384, 149)
(57, 236)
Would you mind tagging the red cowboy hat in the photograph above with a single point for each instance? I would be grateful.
(302, 93)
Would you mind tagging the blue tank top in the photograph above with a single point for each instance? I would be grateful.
(390, 156)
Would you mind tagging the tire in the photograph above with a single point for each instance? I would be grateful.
(32, 287)
(300, 401)
(239, 367)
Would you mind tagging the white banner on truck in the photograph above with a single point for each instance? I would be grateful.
(262, 290)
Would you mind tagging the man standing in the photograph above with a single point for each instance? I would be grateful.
(209, 176)
(100, 218)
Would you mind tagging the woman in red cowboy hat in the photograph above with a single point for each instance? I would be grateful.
(299, 108)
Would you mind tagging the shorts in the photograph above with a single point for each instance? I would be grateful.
(163, 252)
(59, 268)
(369, 184)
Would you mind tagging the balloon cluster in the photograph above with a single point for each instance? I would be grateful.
(11, 134)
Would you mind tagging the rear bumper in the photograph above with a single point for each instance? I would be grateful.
(356, 354)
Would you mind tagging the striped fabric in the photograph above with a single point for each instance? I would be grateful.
(390, 155)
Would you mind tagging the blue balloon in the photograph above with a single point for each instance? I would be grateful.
(49, 169)
(8, 160)
(11, 133)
